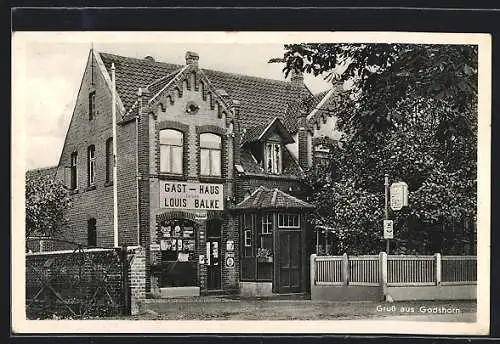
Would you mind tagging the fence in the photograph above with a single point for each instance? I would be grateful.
(82, 282)
(396, 274)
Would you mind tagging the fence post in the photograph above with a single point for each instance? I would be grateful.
(345, 269)
(313, 271)
(438, 269)
(383, 273)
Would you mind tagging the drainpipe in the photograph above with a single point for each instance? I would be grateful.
(137, 177)
(115, 179)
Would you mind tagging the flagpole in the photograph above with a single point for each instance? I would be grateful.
(115, 181)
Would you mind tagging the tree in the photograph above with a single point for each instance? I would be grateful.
(46, 203)
(411, 113)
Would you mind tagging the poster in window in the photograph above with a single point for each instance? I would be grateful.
(182, 257)
(179, 244)
(173, 245)
(165, 245)
(189, 245)
(188, 232)
(177, 230)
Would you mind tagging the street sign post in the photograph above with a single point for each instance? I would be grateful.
(388, 229)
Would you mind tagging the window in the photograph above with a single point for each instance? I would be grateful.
(74, 171)
(273, 158)
(210, 154)
(267, 224)
(171, 151)
(109, 160)
(91, 165)
(248, 238)
(91, 105)
(288, 221)
(91, 232)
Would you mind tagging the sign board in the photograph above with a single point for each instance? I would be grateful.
(399, 195)
(230, 260)
(201, 259)
(200, 216)
(230, 246)
(388, 229)
(191, 195)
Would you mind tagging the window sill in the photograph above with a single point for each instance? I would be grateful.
(211, 179)
(163, 175)
(108, 184)
(90, 188)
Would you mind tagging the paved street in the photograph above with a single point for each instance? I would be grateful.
(216, 308)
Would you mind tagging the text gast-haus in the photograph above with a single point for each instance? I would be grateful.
(208, 168)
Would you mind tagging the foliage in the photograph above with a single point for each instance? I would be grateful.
(411, 113)
(46, 203)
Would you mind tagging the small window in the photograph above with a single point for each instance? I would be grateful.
(210, 154)
(91, 233)
(91, 165)
(267, 224)
(109, 160)
(273, 158)
(74, 171)
(288, 221)
(248, 238)
(91, 105)
(171, 151)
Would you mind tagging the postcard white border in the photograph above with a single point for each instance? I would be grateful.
(21, 325)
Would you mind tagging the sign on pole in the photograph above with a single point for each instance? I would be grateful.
(388, 229)
(399, 195)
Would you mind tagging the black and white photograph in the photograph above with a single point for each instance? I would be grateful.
(313, 182)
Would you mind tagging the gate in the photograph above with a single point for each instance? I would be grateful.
(77, 283)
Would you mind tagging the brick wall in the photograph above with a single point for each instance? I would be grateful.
(137, 279)
(97, 201)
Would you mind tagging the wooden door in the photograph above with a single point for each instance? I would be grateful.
(290, 269)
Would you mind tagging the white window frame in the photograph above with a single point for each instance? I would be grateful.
(211, 160)
(171, 150)
(248, 237)
(92, 111)
(275, 160)
(91, 164)
(74, 164)
(287, 220)
(267, 224)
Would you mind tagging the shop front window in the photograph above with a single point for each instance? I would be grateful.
(177, 241)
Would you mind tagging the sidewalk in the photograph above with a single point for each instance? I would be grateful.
(222, 308)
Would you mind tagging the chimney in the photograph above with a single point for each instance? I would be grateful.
(192, 58)
(302, 140)
(297, 77)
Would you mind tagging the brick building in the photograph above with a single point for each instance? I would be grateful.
(208, 173)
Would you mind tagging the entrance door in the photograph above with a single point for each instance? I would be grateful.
(289, 262)
(214, 260)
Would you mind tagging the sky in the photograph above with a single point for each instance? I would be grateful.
(53, 72)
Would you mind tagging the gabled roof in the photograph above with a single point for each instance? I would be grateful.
(261, 132)
(260, 99)
(264, 198)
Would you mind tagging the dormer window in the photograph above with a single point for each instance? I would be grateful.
(273, 158)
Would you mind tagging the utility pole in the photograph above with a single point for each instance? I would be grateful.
(386, 210)
(115, 179)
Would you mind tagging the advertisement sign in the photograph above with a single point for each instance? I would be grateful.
(399, 195)
(230, 260)
(191, 195)
(388, 229)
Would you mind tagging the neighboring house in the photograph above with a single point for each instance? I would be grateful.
(208, 173)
